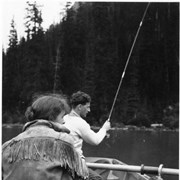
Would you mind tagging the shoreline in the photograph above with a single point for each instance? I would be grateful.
(124, 128)
(135, 128)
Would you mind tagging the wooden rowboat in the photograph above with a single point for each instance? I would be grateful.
(109, 174)
(113, 169)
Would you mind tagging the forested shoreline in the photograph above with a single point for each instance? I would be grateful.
(87, 51)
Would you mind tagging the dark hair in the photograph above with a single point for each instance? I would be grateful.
(79, 98)
(47, 107)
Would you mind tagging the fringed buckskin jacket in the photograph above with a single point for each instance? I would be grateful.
(43, 151)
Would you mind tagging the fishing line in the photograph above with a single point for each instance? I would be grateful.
(127, 62)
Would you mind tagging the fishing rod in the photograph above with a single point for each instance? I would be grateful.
(127, 61)
(131, 168)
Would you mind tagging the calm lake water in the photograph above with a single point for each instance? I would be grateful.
(134, 147)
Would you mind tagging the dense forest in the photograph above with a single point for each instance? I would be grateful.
(87, 50)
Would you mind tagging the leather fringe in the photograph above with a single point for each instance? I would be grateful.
(47, 149)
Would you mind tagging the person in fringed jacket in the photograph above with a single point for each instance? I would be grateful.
(44, 150)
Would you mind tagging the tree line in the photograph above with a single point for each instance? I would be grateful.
(87, 50)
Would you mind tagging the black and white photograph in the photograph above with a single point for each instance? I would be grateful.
(90, 90)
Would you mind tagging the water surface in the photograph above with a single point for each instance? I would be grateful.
(134, 147)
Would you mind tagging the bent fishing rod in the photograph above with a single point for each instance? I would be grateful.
(127, 61)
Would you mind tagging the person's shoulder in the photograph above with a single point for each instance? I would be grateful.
(81, 120)
(8, 143)
(83, 124)
(5, 144)
(70, 116)
(75, 120)
(67, 138)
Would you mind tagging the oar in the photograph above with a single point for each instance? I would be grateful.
(141, 169)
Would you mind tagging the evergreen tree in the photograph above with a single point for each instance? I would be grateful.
(33, 19)
(13, 35)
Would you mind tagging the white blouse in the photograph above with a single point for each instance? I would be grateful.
(81, 130)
